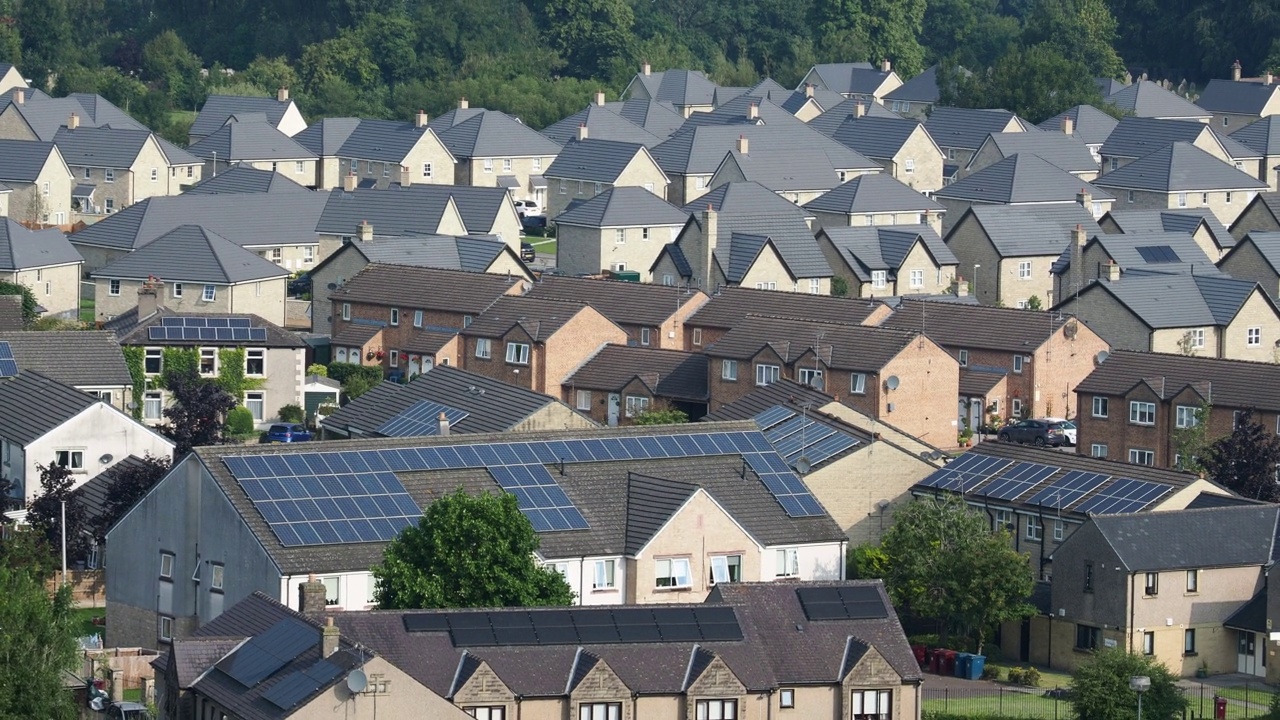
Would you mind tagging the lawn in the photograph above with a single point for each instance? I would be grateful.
(1007, 704)
(87, 310)
(82, 620)
(1257, 695)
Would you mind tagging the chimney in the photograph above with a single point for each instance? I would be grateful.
(463, 104)
(420, 119)
(149, 298)
(885, 65)
(1267, 78)
(1078, 241)
(1068, 125)
(349, 182)
(1113, 272)
(311, 596)
(753, 112)
(859, 110)
(710, 226)
(808, 89)
(443, 420)
(962, 287)
(282, 94)
(364, 231)
(1235, 71)
(582, 132)
(406, 176)
(644, 69)
(599, 98)
(20, 96)
(329, 637)
(1085, 199)
(742, 145)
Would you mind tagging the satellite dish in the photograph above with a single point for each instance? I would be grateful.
(105, 459)
(892, 382)
(1101, 357)
(333, 286)
(1070, 330)
(803, 465)
(357, 681)
(936, 455)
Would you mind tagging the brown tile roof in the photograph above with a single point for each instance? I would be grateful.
(539, 317)
(976, 326)
(355, 335)
(784, 392)
(727, 307)
(1228, 383)
(848, 347)
(11, 312)
(625, 303)
(978, 382)
(424, 288)
(667, 373)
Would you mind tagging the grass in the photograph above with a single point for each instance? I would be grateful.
(82, 621)
(1007, 704)
(182, 116)
(1258, 695)
(542, 245)
(87, 310)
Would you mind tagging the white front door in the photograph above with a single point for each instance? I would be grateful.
(1248, 659)
(615, 400)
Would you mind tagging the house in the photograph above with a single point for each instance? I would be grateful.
(113, 168)
(692, 502)
(603, 122)
(223, 277)
(1236, 103)
(804, 105)
(1255, 258)
(856, 81)
(1182, 175)
(1021, 180)
(245, 180)
(218, 110)
(1085, 123)
(1209, 232)
(1007, 251)
(889, 260)
(902, 377)
(1167, 585)
(435, 304)
(1210, 315)
(258, 144)
(1156, 395)
(99, 367)
(650, 315)
(39, 182)
(1137, 137)
(29, 114)
(1147, 99)
(902, 147)
(620, 382)
(1029, 362)
(473, 254)
(280, 226)
(587, 167)
(876, 199)
(828, 122)
(1058, 149)
(43, 422)
(493, 149)
(272, 359)
(959, 132)
(45, 262)
(1263, 139)
(1260, 213)
(753, 109)
(731, 305)
(688, 91)
(93, 500)
(916, 97)
(534, 342)
(1087, 259)
(621, 229)
(862, 471)
(799, 174)
(378, 151)
(11, 78)
(656, 116)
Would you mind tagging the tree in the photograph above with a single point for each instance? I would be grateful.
(1034, 304)
(44, 513)
(468, 551)
(129, 483)
(1035, 82)
(168, 62)
(198, 412)
(945, 563)
(1082, 31)
(271, 73)
(661, 416)
(1100, 688)
(867, 562)
(38, 645)
(46, 38)
(1245, 461)
(30, 313)
(589, 34)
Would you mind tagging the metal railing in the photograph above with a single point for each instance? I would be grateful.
(1029, 703)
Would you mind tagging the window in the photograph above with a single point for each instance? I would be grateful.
(1017, 363)
(155, 174)
(518, 353)
(427, 170)
(1142, 413)
(417, 318)
(488, 165)
(1193, 581)
(1059, 530)
(729, 370)
(716, 709)
(484, 348)
(1228, 198)
(1254, 336)
(1088, 577)
(584, 399)
(166, 628)
(1101, 406)
(105, 396)
(386, 170)
(620, 236)
(858, 383)
(636, 404)
(151, 360)
(787, 562)
(1024, 270)
(668, 280)
(537, 164)
(331, 588)
(1237, 417)
(672, 573)
(1129, 196)
(1004, 520)
(208, 361)
(346, 311)
(109, 175)
(110, 205)
(308, 254)
(1189, 642)
(1182, 200)
(786, 698)
(255, 362)
(1142, 457)
(210, 293)
(216, 573)
(766, 286)
(1035, 528)
(1148, 643)
(1086, 637)
(151, 403)
(600, 711)
(766, 374)
(964, 358)
(1187, 416)
(563, 187)
(113, 287)
(177, 290)
(951, 153)
(726, 568)
(917, 278)
(277, 254)
(811, 377)
(487, 713)
(256, 403)
(1098, 450)
(394, 360)
(395, 316)
(1152, 584)
(879, 278)
(166, 566)
(697, 336)
(1204, 199)
(871, 704)
(604, 575)
(644, 336)
(191, 171)
(1016, 407)
(909, 166)
(72, 460)
(88, 174)
(1197, 338)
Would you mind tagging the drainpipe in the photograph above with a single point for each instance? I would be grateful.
(1133, 578)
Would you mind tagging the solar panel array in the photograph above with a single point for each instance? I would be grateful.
(802, 436)
(540, 497)
(1124, 496)
(206, 328)
(1158, 254)
(966, 472)
(842, 603)
(788, 489)
(8, 366)
(266, 653)
(582, 626)
(421, 418)
(302, 684)
(1018, 480)
(1069, 488)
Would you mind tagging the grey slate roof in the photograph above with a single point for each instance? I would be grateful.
(1234, 383)
(885, 247)
(1251, 616)
(1031, 231)
(242, 179)
(678, 87)
(217, 109)
(325, 137)
(745, 197)
(850, 78)
(1058, 149)
(472, 253)
(1091, 125)
(32, 404)
(1214, 537)
(79, 358)
(846, 347)
(789, 233)
(728, 307)
(1137, 137)
(700, 150)
(1229, 96)
(92, 496)
(100, 147)
(834, 116)
(602, 123)
(1109, 86)
(23, 249)
(737, 112)
(1147, 99)
(22, 160)
(655, 116)
(11, 313)
(876, 137)
(975, 326)
(1187, 220)
(416, 209)
(479, 133)
(249, 141)
(650, 504)
(744, 249)
(593, 160)
(1266, 243)
(191, 253)
(967, 128)
(45, 115)
(454, 291)
(782, 168)
(249, 220)
(1020, 179)
(1176, 301)
(625, 303)
(1126, 250)
(492, 406)
(667, 373)
(1176, 168)
(623, 207)
(874, 193)
(1261, 136)
(277, 337)
(921, 88)
(382, 140)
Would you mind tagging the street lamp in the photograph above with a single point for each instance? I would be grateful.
(975, 279)
(1139, 684)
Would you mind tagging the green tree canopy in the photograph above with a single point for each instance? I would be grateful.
(197, 415)
(30, 313)
(1100, 688)
(1082, 31)
(45, 513)
(37, 644)
(468, 551)
(1245, 461)
(1036, 83)
(589, 34)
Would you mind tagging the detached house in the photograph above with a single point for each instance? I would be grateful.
(1255, 258)
(1263, 138)
(875, 199)
(33, 115)
(651, 315)
(1260, 213)
(1182, 175)
(1147, 99)
(622, 229)
(493, 149)
(797, 173)
(1205, 227)
(621, 382)
(902, 147)
(916, 97)
(10, 78)
(1085, 123)
(587, 167)
(280, 112)
(1137, 137)
(257, 144)
(1021, 180)
(45, 262)
(603, 122)
(1058, 149)
(1236, 102)
(1112, 255)
(113, 168)
(856, 81)
(961, 131)
(377, 152)
(889, 260)
(39, 181)
(688, 91)
(656, 116)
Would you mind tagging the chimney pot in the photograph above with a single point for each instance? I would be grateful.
(364, 231)
(282, 94)
(742, 144)
(1235, 71)
(582, 132)
(329, 636)
(1068, 125)
(349, 182)
(149, 298)
(600, 98)
(463, 104)
(443, 421)
(420, 119)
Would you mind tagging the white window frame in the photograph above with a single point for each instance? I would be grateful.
(1005, 520)
(256, 400)
(113, 288)
(635, 405)
(729, 370)
(963, 358)
(767, 374)
(1024, 270)
(917, 278)
(879, 279)
(518, 353)
(1059, 530)
(871, 704)
(177, 290)
(697, 336)
(600, 711)
(786, 698)
(217, 576)
(1101, 406)
(167, 561)
(211, 355)
(395, 317)
(153, 353)
(346, 311)
(1138, 456)
(721, 568)
(672, 573)
(427, 170)
(1193, 582)
(909, 166)
(786, 562)
(815, 286)
(537, 164)
(715, 709)
(1035, 529)
(109, 175)
(152, 405)
(484, 348)
(417, 318)
(644, 233)
(620, 236)
(584, 399)
(308, 254)
(1182, 200)
(1185, 416)
(70, 458)
(604, 575)
(645, 334)
(155, 174)
(1142, 412)
(393, 358)
(1018, 361)
(165, 629)
(858, 383)
(810, 376)
(258, 357)
(210, 293)
(1197, 338)
(1098, 450)
(488, 165)
(1253, 336)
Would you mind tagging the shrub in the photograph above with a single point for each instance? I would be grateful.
(343, 372)
(1031, 677)
(356, 386)
(240, 421)
(991, 672)
(868, 562)
(1017, 675)
(318, 369)
(292, 413)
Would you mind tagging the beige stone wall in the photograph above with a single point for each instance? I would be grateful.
(56, 288)
(485, 689)
(522, 168)
(1062, 639)
(300, 171)
(636, 252)
(936, 279)
(928, 161)
(1257, 312)
(851, 488)
(717, 681)
(601, 685)
(696, 532)
(1015, 289)
(768, 268)
(873, 672)
(1113, 322)
(167, 181)
(1220, 592)
(337, 272)
(404, 697)
(555, 416)
(1246, 263)
(429, 149)
(13, 126)
(1217, 201)
(53, 190)
(264, 298)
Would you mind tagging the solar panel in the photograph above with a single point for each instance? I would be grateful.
(966, 472)
(788, 489)
(1124, 496)
(421, 418)
(264, 654)
(581, 626)
(859, 602)
(299, 685)
(1068, 489)
(8, 366)
(540, 497)
(773, 416)
(1018, 480)
(1158, 254)
(226, 329)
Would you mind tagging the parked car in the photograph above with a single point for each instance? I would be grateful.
(288, 432)
(533, 222)
(125, 710)
(527, 252)
(300, 285)
(528, 208)
(1068, 427)
(1036, 432)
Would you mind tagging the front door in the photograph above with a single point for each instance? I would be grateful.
(614, 401)
(975, 414)
(1247, 654)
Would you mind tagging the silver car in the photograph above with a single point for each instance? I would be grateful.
(1068, 429)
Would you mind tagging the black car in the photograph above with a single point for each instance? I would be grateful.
(1036, 432)
(533, 222)
(300, 285)
(527, 253)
